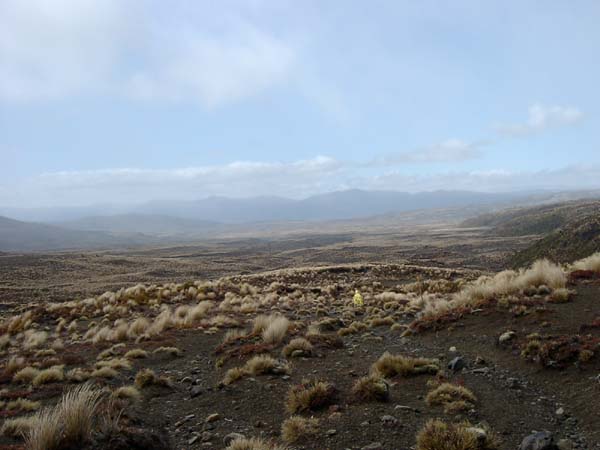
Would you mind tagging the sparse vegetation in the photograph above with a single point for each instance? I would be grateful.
(310, 395)
(389, 366)
(296, 428)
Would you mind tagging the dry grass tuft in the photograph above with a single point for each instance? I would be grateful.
(590, 263)
(298, 347)
(310, 395)
(146, 378)
(389, 366)
(136, 353)
(253, 444)
(447, 393)
(127, 392)
(171, 351)
(296, 428)
(276, 330)
(17, 427)
(25, 375)
(438, 435)
(372, 387)
(104, 372)
(66, 425)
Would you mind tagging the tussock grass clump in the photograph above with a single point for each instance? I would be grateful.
(389, 366)
(22, 404)
(127, 392)
(253, 444)
(34, 339)
(146, 378)
(25, 375)
(114, 363)
(298, 347)
(451, 396)
(66, 425)
(50, 375)
(258, 365)
(14, 364)
(592, 262)
(104, 372)
(372, 387)
(136, 353)
(296, 428)
(561, 295)
(17, 427)
(170, 351)
(76, 411)
(310, 395)
(264, 364)
(234, 374)
(276, 330)
(438, 435)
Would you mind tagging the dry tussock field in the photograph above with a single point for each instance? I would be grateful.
(437, 358)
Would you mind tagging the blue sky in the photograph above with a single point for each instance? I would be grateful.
(129, 101)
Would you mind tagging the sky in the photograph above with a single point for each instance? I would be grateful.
(123, 101)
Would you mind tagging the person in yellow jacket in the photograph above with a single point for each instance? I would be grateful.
(358, 299)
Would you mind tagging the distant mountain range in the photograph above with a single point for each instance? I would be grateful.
(162, 223)
(348, 204)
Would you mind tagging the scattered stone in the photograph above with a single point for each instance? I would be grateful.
(195, 391)
(560, 411)
(193, 439)
(452, 349)
(480, 361)
(482, 370)
(542, 440)
(389, 421)
(331, 432)
(506, 336)
(186, 380)
(366, 423)
(456, 364)
(229, 438)
(285, 377)
(213, 418)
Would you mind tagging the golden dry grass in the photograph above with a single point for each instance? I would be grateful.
(296, 428)
(310, 395)
(369, 388)
(389, 365)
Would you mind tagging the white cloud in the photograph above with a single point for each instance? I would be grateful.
(449, 151)
(543, 117)
(60, 48)
(215, 71)
(495, 180)
(55, 48)
(133, 185)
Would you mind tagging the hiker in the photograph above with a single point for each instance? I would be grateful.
(358, 299)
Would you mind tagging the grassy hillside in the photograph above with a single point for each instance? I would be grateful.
(27, 236)
(575, 240)
(567, 231)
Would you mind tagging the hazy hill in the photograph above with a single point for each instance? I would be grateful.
(141, 223)
(348, 204)
(16, 235)
(568, 231)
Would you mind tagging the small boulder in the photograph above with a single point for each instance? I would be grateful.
(506, 336)
(542, 440)
(456, 364)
